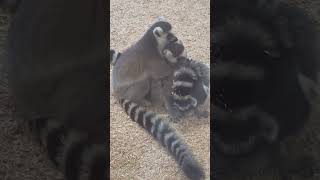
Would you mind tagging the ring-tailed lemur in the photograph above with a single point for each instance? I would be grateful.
(190, 90)
(191, 84)
(135, 72)
(183, 100)
(56, 76)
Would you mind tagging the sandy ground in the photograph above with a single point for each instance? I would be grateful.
(134, 154)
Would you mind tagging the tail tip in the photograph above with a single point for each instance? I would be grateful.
(193, 170)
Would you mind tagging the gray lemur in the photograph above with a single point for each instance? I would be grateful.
(138, 72)
(141, 64)
(182, 100)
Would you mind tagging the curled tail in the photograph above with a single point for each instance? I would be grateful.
(74, 152)
(166, 135)
(114, 56)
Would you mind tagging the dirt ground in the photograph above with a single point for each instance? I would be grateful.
(134, 154)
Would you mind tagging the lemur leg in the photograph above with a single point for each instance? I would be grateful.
(143, 87)
(174, 113)
(160, 97)
(154, 94)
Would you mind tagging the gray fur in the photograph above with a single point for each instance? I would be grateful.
(56, 75)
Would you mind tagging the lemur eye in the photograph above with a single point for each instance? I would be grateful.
(172, 38)
(157, 33)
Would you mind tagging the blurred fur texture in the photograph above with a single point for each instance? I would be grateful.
(260, 49)
(56, 76)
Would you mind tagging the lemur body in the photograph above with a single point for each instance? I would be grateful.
(136, 79)
(55, 63)
(185, 70)
(141, 64)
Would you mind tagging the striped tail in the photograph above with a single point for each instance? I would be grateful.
(166, 135)
(77, 155)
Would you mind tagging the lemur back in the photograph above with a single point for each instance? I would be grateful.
(56, 60)
(140, 64)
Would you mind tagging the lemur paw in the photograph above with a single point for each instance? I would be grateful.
(172, 51)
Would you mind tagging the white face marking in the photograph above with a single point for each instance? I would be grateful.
(161, 38)
(168, 55)
(162, 41)
(158, 31)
